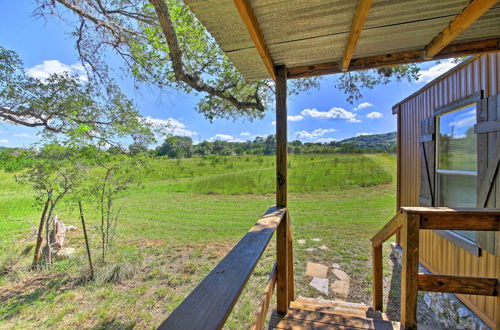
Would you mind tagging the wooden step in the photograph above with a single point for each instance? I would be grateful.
(340, 310)
(305, 319)
(333, 303)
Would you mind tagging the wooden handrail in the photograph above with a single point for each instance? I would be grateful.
(390, 228)
(482, 286)
(211, 302)
(409, 221)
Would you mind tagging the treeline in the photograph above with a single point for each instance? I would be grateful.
(183, 147)
(15, 159)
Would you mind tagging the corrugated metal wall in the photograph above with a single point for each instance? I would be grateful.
(437, 253)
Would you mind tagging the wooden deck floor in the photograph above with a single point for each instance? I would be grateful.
(307, 313)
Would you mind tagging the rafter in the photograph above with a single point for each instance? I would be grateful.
(357, 25)
(250, 21)
(466, 18)
(413, 56)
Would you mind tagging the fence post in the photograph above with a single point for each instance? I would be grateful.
(410, 232)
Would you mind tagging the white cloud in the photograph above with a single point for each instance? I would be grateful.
(467, 121)
(316, 133)
(436, 70)
(225, 137)
(333, 113)
(364, 134)
(295, 118)
(374, 115)
(4, 141)
(245, 134)
(24, 135)
(325, 140)
(170, 126)
(44, 70)
(363, 106)
(291, 118)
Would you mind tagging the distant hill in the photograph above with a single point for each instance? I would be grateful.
(375, 142)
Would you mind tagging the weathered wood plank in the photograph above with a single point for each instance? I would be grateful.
(460, 221)
(260, 317)
(378, 277)
(449, 211)
(211, 302)
(389, 229)
(281, 137)
(290, 266)
(282, 302)
(314, 319)
(248, 17)
(488, 126)
(485, 183)
(458, 284)
(474, 10)
(413, 56)
(357, 26)
(409, 272)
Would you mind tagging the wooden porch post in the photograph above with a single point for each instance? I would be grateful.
(410, 233)
(284, 255)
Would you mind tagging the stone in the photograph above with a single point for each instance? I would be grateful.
(323, 247)
(335, 265)
(301, 241)
(316, 239)
(341, 275)
(341, 288)
(427, 300)
(311, 249)
(320, 284)
(316, 270)
(464, 312)
(65, 252)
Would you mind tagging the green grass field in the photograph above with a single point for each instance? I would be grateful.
(179, 225)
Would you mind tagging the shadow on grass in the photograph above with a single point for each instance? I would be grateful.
(114, 324)
(32, 291)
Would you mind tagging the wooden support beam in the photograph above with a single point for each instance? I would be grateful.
(460, 222)
(248, 17)
(482, 286)
(357, 25)
(378, 277)
(282, 301)
(291, 277)
(281, 137)
(466, 18)
(378, 61)
(410, 232)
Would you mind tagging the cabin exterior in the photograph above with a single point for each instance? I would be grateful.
(434, 171)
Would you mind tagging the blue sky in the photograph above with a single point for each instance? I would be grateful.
(319, 115)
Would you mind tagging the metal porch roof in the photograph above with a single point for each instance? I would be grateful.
(307, 32)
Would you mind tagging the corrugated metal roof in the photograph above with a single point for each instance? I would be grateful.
(304, 32)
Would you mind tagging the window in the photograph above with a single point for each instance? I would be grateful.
(457, 160)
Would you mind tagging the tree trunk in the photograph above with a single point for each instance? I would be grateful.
(39, 239)
(86, 240)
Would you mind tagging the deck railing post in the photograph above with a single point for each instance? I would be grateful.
(410, 232)
(378, 293)
(284, 254)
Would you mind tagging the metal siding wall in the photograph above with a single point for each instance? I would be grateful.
(437, 253)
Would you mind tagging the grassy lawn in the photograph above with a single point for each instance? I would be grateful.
(179, 225)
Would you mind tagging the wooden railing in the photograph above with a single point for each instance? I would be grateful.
(409, 221)
(210, 303)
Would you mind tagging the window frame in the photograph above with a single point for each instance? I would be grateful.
(453, 236)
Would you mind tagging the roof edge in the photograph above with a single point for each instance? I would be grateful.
(396, 106)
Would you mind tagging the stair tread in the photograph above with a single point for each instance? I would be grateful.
(305, 319)
(333, 303)
(347, 311)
